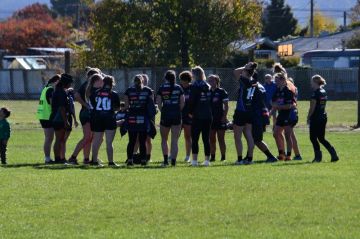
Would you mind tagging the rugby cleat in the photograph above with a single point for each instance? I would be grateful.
(297, 157)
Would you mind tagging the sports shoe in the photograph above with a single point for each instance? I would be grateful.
(173, 162)
(187, 160)
(49, 161)
(241, 162)
(206, 163)
(247, 162)
(86, 161)
(271, 160)
(60, 161)
(288, 158)
(281, 157)
(165, 164)
(297, 157)
(316, 160)
(3, 162)
(72, 161)
(334, 156)
(194, 163)
(96, 163)
(143, 162)
(113, 164)
(129, 162)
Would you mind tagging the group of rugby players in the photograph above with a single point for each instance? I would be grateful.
(198, 106)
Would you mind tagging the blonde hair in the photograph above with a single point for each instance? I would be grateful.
(92, 81)
(318, 79)
(278, 68)
(198, 73)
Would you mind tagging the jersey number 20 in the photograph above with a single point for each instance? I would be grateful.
(103, 103)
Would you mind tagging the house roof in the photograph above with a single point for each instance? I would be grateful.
(328, 42)
(249, 45)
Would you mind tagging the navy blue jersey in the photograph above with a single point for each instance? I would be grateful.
(218, 97)
(200, 100)
(187, 91)
(320, 97)
(270, 91)
(138, 99)
(259, 107)
(104, 101)
(246, 94)
(60, 99)
(170, 98)
(284, 97)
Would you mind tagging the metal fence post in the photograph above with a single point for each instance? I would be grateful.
(67, 62)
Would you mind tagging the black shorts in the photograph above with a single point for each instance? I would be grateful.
(60, 126)
(84, 116)
(46, 124)
(242, 118)
(170, 122)
(218, 125)
(294, 122)
(282, 122)
(258, 132)
(186, 120)
(100, 124)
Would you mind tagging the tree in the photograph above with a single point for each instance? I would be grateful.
(33, 26)
(278, 20)
(170, 32)
(323, 23)
(355, 12)
(354, 41)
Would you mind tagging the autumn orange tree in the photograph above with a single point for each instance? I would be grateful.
(33, 26)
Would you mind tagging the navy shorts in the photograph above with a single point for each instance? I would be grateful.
(242, 118)
(46, 124)
(102, 123)
(170, 122)
(84, 116)
(218, 125)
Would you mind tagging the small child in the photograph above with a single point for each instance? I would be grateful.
(121, 115)
(4, 133)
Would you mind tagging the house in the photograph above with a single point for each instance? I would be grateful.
(262, 48)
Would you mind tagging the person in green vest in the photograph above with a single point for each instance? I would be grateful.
(43, 115)
(4, 133)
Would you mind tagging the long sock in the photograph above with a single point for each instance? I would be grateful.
(148, 157)
(239, 158)
(212, 157)
(288, 153)
(268, 154)
(249, 158)
(281, 152)
(223, 157)
(166, 159)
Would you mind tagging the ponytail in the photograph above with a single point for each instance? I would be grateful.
(318, 79)
(53, 79)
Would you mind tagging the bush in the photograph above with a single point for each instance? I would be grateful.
(265, 63)
(291, 61)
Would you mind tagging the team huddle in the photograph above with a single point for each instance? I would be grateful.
(198, 106)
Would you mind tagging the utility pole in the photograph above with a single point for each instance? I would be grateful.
(311, 18)
(345, 21)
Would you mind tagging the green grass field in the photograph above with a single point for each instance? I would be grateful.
(282, 200)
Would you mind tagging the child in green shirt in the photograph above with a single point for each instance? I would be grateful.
(4, 133)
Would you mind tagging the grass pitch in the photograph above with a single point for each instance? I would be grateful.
(282, 200)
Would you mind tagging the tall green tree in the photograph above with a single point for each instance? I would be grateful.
(278, 20)
(170, 32)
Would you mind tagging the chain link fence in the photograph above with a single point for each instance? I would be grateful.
(27, 84)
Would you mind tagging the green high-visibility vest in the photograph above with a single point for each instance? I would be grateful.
(44, 108)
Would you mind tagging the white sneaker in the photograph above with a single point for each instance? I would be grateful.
(206, 163)
(194, 163)
(187, 159)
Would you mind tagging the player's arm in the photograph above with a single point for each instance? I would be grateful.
(182, 102)
(80, 100)
(311, 109)
(159, 102)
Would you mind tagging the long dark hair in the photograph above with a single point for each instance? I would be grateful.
(109, 81)
(53, 79)
(170, 76)
(92, 81)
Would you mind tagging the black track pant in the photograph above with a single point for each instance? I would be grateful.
(3, 148)
(200, 127)
(132, 141)
(317, 134)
